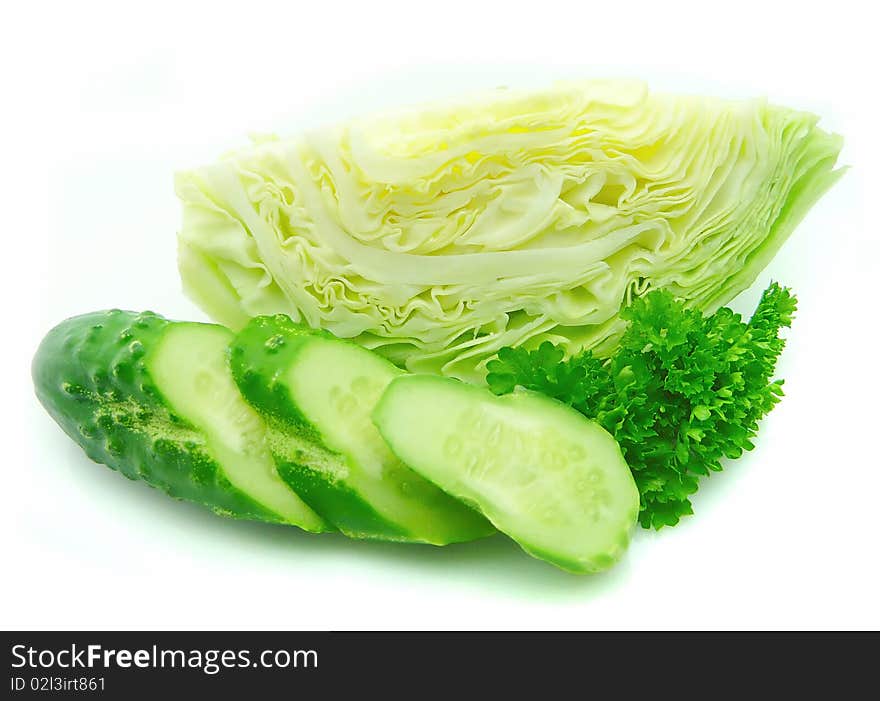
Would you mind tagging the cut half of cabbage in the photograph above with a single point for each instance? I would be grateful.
(438, 235)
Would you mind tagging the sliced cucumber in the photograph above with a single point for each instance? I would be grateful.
(543, 474)
(322, 391)
(191, 370)
(155, 400)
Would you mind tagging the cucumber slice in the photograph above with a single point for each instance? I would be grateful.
(552, 480)
(155, 400)
(191, 370)
(322, 391)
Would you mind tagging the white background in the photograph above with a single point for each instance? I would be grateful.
(103, 103)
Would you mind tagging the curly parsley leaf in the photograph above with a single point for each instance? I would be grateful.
(682, 392)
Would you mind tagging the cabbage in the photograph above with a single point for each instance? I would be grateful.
(439, 235)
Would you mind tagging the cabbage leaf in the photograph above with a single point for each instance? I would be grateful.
(439, 235)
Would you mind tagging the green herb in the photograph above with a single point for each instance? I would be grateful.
(682, 392)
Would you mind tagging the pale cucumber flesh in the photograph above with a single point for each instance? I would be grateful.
(190, 369)
(539, 471)
(336, 385)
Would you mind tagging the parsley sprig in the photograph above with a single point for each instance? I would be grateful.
(682, 392)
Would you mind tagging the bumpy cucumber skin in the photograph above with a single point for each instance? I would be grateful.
(91, 374)
(259, 357)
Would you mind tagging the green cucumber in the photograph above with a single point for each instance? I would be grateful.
(552, 480)
(317, 395)
(155, 400)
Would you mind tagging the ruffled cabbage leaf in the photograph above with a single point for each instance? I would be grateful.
(441, 234)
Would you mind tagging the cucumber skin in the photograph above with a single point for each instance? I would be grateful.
(339, 504)
(86, 367)
(260, 355)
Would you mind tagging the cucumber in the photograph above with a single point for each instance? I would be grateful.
(155, 400)
(552, 480)
(317, 395)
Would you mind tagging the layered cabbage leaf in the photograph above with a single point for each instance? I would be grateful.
(439, 235)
